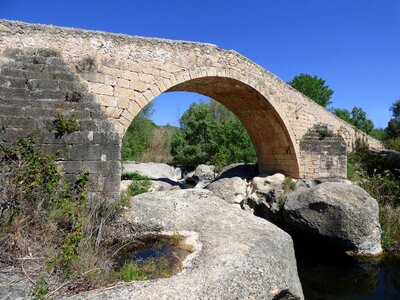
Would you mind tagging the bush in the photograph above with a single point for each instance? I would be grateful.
(138, 138)
(45, 215)
(140, 184)
(376, 174)
(65, 124)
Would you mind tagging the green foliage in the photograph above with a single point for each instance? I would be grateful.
(219, 111)
(392, 131)
(235, 144)
(145, 269)
(39, 207)
(40, 290)
(197, 141)
(64, 124)
(288, 185)
(377, 175)
(313, 87)
(342, 113)
(130, 271)
(395, 108)
(137, 138)
(140, 184)
(357, 118)
(378, 133)
(393, 144)
(202, 139)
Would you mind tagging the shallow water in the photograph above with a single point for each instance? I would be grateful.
(330, 276)
(162, 253)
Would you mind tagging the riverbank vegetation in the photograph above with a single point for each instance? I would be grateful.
(62, 238)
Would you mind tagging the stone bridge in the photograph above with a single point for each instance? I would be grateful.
(103, 80)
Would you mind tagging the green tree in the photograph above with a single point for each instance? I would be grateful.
(378, 133)
(219, 111)
(343, 113)
(313, 87)
(206, 137)
(139, 135)
(196, 142)
(357, 118)
(236, 145)
(393, 129)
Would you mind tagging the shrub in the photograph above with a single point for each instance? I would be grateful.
(65, 124)
(43, 214)
(40, 289)
(140, 184)
(375, 173)
(138, 137)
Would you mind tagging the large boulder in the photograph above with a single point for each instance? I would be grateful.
(342, 214)
(232, 190)
(238, 256)
(201, 176)
(153, 170)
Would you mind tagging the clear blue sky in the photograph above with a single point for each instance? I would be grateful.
(354, 45)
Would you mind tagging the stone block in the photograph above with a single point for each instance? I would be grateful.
(99, 88)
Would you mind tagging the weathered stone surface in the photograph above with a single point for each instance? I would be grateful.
(267, 197)
(239, 256)
(153, 170)
(345, 215)
(156, 185)
(232, 190)
(326, 155)
(201, 176)
(13, 284)
(204, 173)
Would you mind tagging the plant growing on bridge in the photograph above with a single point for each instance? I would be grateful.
(64, 124)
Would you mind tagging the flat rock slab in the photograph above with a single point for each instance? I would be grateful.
(13, 284)
(238, 256)
(153, 170)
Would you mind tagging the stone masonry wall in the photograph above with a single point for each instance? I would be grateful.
(35, 86)
(117, 75)
(325, 156)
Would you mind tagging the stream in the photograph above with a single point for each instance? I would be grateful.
(326, 275)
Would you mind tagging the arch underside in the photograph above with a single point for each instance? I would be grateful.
(275, 151)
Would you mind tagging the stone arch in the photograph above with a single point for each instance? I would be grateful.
(274, 145)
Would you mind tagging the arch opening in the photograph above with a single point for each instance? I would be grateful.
(274, 147)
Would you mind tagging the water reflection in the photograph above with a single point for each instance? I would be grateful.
(329, 276)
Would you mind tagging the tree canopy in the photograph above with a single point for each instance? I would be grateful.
(207, 136)
(313, 87)
(357, 118)
(392, 131)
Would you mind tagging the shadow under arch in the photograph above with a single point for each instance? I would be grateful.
(274, 147)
